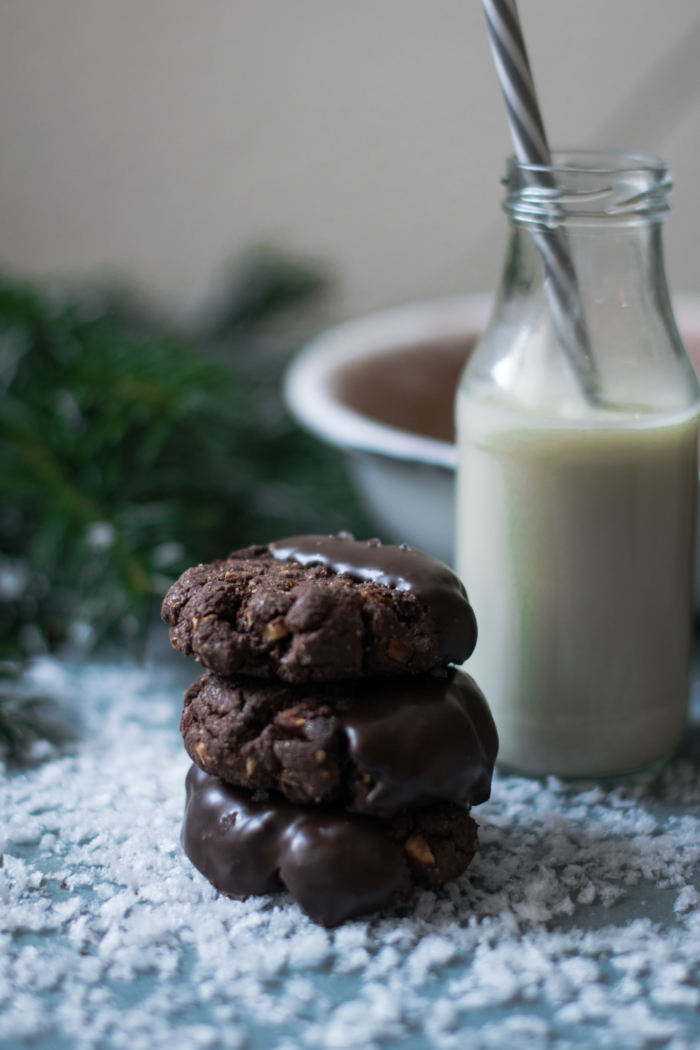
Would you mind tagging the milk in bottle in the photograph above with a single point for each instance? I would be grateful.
(575, 519)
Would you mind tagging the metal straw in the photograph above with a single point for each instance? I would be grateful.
(531, 147)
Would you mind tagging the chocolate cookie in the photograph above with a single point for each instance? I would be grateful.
(335, 866)
(321, 608)
(373, 746)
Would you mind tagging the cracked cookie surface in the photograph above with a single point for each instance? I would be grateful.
(373, 746)
(262, 614)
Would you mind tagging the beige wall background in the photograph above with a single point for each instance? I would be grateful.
(154, 139)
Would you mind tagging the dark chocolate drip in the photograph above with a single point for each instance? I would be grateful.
(400, 567)
(336, 866)
(235, 845)
(422, 739)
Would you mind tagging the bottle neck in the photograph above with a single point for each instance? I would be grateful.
(618, 267)
(612, 348)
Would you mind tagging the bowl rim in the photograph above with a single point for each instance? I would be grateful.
(308, 382)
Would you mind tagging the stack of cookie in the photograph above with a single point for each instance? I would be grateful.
(336, 752)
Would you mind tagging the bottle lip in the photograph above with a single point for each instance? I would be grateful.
(596, 162)
(588, 185)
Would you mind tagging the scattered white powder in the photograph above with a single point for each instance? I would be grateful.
(577, 926)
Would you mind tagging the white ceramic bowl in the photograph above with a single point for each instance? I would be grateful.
(381, 388)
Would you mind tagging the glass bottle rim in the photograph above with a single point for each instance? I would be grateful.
(617, 186)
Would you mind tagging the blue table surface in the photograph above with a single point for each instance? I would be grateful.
(578, 924)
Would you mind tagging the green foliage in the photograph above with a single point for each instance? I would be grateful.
(22, 716)
(130, 450)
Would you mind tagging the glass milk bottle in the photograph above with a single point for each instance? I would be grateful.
(577, 479)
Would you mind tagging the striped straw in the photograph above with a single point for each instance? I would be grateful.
(531, 147)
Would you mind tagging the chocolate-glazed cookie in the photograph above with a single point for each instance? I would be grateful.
(336, 866)
(317, 608)
(374, 746)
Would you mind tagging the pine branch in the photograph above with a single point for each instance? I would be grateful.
(129, 450)
(20, 714)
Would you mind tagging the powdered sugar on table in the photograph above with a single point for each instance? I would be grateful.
(578, 924)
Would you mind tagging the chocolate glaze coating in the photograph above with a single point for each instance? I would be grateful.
(262, 614)
(423, 740)
(401, 568)
(336, 866)
(375, 745)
